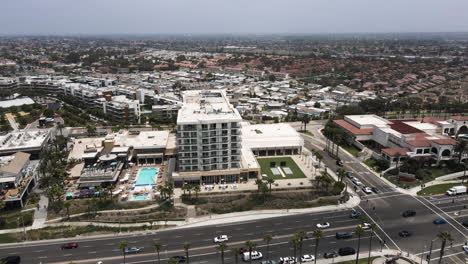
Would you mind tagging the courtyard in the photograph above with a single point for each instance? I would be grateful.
(280, 168)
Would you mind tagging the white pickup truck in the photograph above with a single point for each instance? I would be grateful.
(456, 190)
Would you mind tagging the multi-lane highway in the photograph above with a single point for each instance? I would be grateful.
(383, 208)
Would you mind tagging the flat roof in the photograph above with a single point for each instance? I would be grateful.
(270, 135)
(201, 106)
(82, 144)
(23, 140)
(367, 120)
(16, 102)
(145, 139)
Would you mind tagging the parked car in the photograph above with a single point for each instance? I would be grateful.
(339, 162)
(221, 238)
(343, 235)
(356, 181)
(405, 233)
(133, 250)
(465, 248)
(355, 214)
(345, 251)
(255, 255)
(180, 259)
(243, 250)
(323, 225)
(307, 258)
(367, 189)
(439, 221)
(350, 175)
(332, 254)
(69, 245)
(375, 190)
(408, 213)
(287, 260)
(11, 260)
(268, 262)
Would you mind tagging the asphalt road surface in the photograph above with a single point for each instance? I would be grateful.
(383, 208)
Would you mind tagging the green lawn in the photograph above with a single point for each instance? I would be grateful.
(438, 188)
(351, 149)
(265, 168)
(6, 238)
(361, 261)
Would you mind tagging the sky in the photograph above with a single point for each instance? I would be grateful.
(69, 17)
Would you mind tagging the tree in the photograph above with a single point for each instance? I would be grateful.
(157, 248)
(196, 189)
(270, 181)
(461, 148)
(359, 231)
(267, 238)
(317, 234)
(67, 205)
(236, 251)
(295, 243)
(305, 121)
(186, 247)
(122, 246)
(444, 236)
(222, 247)
(372, 228)
(173, 261)
(341, 173)
(319, 157)
(250, 245)
(259, 184)
(91, 129)
(301, 235)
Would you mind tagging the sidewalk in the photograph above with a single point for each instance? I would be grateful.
(40, 216)
(404, 257)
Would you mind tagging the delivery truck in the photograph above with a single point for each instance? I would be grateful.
(456, 190)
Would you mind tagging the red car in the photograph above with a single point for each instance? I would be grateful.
(243, 250)
(69, 246)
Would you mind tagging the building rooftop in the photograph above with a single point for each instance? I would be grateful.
(15, 165)
(205, 106)
(23, 140)
(144, 139)
(364, 121)
(266, 135)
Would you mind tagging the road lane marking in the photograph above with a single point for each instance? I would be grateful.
(380, 228)
(92, 252)
(67, 255)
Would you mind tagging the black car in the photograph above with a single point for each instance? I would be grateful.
(408, 213)
(180, 259)
(375, 190)
(405, 233)
(355, 214)
(350, 175)
(339, 163)
(465, 223)
(342, 235)
(332, 254)
(11, 260)
(345, 251)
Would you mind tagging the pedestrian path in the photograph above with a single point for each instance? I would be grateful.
(40, 216)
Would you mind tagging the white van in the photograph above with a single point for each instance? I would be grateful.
(255, 255)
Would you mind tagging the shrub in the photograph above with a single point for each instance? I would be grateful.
(337, 188)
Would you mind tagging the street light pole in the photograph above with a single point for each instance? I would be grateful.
(430, 252)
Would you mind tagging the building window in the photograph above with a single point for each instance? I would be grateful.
(419, 151)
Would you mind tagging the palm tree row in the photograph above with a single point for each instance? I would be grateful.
(191, 187)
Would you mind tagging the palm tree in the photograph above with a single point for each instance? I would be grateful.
(319, 157)
(305, 121)
(359, 231)
(301, 235)
(259, 184)
(341, 173)
(267, 238)
(186, 247)
(236, 251)
(196, 189)
(295, 243)
(122, 246)
(172, 261)
(461, 149)
(372, 228)
(270, 181)
(444, 236)
(250, 245)
(317, 234)
(67, 205)
(157, 248)
(221, 248)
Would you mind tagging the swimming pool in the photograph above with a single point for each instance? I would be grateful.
(141, 197)
(147, 176)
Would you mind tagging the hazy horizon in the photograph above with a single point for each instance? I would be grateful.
(240, 17)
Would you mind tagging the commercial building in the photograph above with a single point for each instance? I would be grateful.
(17, 178)
(29, 141)
(396, 140)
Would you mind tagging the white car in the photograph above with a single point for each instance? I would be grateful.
(307, 258)
(357, 181)
(287, 260)
(323, 225)
(367, 190)
(466, 249)
(255, 255)
(365, 226)
(221, 238)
